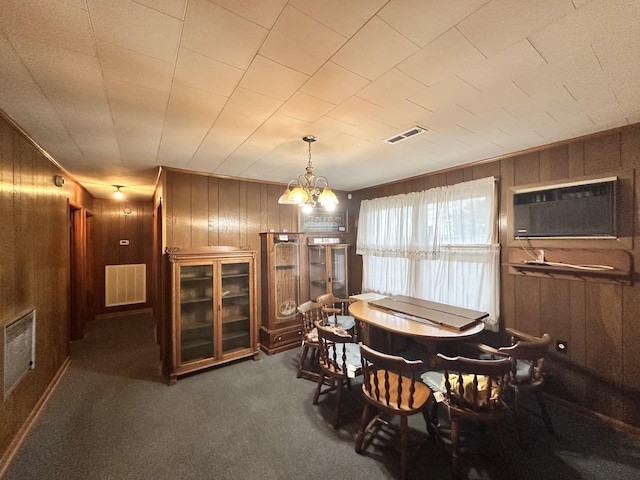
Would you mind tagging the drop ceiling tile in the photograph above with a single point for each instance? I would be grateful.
(375, 49)
(334, 84)
(346, 18)
(422, 21)
(52, 23)
(443, 94)
(189, 117)
(246, 102)
(515, 61)
(66, 76)
(272, 79)
(390, 88)
(263, 13)
(355, 110)
(372, 131)
(595, 22)
(136, 27)
(446, 56)
(138, 115)
(174, 8)
(305, 107)
(326, 128)
(228, 133)
(300, 42)
(220, 34)
(280, 129)
(404, 115)
(204, 73)
(129, 66)
(501, 23)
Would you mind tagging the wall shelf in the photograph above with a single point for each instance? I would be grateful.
(573, 264)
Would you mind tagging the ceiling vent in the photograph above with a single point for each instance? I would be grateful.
(404, 135)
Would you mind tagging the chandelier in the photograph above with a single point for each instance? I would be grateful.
(309, 189)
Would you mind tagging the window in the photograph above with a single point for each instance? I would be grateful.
(438, 245)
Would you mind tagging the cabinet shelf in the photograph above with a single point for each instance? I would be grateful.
(189, 301)
(193, 344)
(195, 327)
(604, 266)
(235, 295)
(234, 319)
(195, 279)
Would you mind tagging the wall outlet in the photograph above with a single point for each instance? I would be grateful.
(562, 346)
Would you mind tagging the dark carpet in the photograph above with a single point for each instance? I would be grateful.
(113, 416)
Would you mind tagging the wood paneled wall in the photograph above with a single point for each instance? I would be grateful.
(34, 268)
(113, 221)
(202, 210)
(599, 322)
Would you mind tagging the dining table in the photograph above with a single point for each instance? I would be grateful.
(389, 330)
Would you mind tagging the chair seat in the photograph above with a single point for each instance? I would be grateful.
(345, 321)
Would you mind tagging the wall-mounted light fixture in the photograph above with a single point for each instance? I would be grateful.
(118, 195)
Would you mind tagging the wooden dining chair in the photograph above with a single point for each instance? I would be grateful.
(391, 387)
(310, 312)
(527, 354)
(473, 390)
(336, 311)
(339, 359)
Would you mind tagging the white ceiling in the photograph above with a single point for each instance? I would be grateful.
(113, 89)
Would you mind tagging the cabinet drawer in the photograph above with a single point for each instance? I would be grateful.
(280, 340)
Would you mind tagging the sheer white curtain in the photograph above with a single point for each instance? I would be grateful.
(438, 244)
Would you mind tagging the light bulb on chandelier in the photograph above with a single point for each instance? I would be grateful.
(309, 189)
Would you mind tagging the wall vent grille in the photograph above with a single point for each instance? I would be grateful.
(19, 350)
(125, 284)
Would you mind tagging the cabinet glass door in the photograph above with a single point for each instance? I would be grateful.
(196, 312)
(339, 272)
(286, 280)
(236, 307)
(317, 271)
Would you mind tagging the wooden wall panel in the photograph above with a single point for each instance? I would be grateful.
(555, 308)
(602, 154)
(213, 217)
(179, 210)
(576, 159)
(199, 209)
(34, 268)
(554, 163)
(577, 323)
(604, 329)
(229, 212)
(527, 308)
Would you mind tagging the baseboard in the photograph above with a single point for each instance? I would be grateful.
(617, 425)
(124, 313)
(15, 444)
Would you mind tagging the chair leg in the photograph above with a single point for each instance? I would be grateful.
(336, 417)
(455, 434)
(545, 414)
(364, 427)
(303, 359)
(404, 446)
(318, 388)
